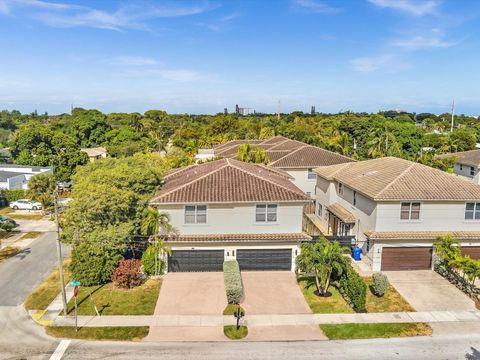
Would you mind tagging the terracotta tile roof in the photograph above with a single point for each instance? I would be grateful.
(286, 153)
(267, 237)
(470, 158)
(342, 213)
(94, 152)
(390, 179)
(421, 235)
(228, 180)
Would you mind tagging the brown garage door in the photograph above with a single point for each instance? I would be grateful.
(472, 251)
(406, 258)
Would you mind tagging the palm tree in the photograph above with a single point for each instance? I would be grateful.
(157, 226)
(41, 188)
(261, 157)
(321, 259)
(447, 248)
(244, 153)
(383, 143)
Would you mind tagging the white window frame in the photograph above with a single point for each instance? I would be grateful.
(266, 213)
(474, 211)
(319, 210)
(196, 214)
(410, 210)
(311, 173)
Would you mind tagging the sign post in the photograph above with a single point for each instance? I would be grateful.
(75, 284)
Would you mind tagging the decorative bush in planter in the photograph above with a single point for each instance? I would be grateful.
(233, 282)
(379, 284)
(127, 274)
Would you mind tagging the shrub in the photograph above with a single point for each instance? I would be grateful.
(13, 195)
(127, 274)
(93, 264)
(148, 262)
(379, 284)
(353, 289)
(7, 226)
(233, 282)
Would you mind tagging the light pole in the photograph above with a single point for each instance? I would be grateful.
(59, 254)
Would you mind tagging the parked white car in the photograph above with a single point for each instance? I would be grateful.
(24, 204)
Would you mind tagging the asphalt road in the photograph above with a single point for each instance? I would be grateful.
(444, 347)
(20, 274)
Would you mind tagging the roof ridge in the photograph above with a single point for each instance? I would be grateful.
(268, 180)
(390, 184)
(197, 178)
(290, 153)
(341, 166)
(283, 142)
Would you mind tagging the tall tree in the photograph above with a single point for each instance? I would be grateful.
(41, 188)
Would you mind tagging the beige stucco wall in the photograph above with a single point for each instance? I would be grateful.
(434, 216)
(302, 181)
(237, 219)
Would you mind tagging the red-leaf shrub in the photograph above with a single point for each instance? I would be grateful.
(127, 274)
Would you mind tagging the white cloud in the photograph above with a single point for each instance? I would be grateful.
(411, 7)
(175, 75)
(385, 63)
(127, 17)
(314, 6)
(4, 9)
(132, 61)
(433, 38)
(220, 23)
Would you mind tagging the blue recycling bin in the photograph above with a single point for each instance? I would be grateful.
(356, 252)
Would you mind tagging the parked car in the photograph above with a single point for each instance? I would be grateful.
(4, 219)
(24, 204)
(64, 185)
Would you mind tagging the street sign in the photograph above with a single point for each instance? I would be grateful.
(75, 282)
(75, 291)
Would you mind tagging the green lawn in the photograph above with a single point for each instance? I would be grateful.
(368, 331)
(113, 301)
(8, 252)
(31, 235)
(323, 305)
(44, 294)
(232, 333)
(392, 301)
(231, 308)
(133, 333)
(8, 212)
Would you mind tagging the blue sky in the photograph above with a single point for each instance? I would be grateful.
(201, 56)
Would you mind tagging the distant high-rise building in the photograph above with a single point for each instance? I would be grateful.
(312, 110)
(237, 110)
(225, 111)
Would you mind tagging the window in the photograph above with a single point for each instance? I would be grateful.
(196, 214)
(410, 211)
(472, 211)
(354, 200)
(309, 193)
(311, 174)
(472, 171)
(266, 213)
(319, 210)
(461, 167)
(340, 188)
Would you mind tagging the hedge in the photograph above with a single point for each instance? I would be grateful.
(353, 289)
(12, 195)
(233, 282)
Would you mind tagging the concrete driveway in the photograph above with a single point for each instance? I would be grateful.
(272, 292)
(201, 293)
(426, 290)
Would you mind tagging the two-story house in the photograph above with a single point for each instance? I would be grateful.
(295, 157)
(228, 209)
(467, 163)
(395, 209)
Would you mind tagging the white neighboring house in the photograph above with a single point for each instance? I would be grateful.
(396, 209)
(14, 176)
(296, 158)
(227, 209)
(467, 163)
